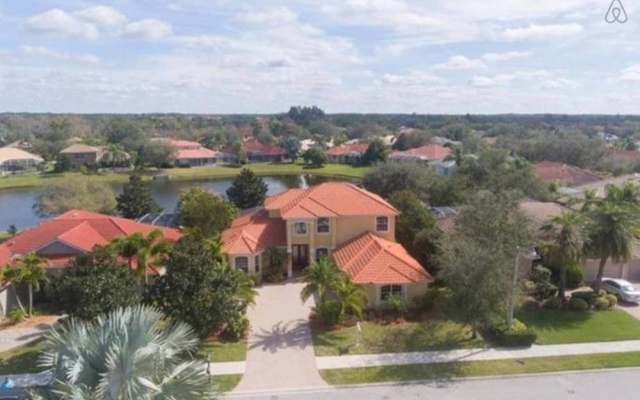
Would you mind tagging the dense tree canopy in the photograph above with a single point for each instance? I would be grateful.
(136, 199)
(247, 190)
(205, 213)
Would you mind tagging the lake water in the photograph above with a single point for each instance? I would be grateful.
(15, 205)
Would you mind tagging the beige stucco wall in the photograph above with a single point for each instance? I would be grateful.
(631, 271)
(411, 292)
(415, 291)
(348, 228)
(252, 266)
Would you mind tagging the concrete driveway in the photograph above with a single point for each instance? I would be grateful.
(631, 308)
(280, 350)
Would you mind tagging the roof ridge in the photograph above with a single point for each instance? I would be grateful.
(361, 251)
(373, 196)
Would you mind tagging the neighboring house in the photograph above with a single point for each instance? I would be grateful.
(339, 220)
(443, 141)
(20, 144)
(306, 144)
(14, 160)
(60, 239)
(446, 168)
(429, 153)
(539, 212)
(564, 174)
(256, 152)
(347, 153)
(193, 154)
(82, 154)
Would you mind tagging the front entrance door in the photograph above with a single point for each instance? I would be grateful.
(299, 256)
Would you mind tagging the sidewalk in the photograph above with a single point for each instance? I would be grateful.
(435, 357)
(26, 332)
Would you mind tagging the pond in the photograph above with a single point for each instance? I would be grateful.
(15, 205)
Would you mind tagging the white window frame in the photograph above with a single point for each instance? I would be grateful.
(388, 223)
(235, 263)
(320, 248)
(403, 292)
(300, 223)
(328, 232)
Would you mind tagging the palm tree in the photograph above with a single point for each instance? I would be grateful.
(131, 353)
(319, 277)
(114, 155)
(566, 245)
(29, 269)
(612, 231)
(142, 249)
(350, 296)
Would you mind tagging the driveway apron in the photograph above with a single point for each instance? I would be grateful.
(280, 350)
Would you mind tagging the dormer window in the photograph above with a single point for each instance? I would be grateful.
(382, 224)
(323, 225)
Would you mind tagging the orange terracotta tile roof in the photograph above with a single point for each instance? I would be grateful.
(329, 200)
(202, 152)
(566, 174)
(371, 259)
(254, 232)
(347, 149)
(429, 152)
(253, 146)
(81, 230)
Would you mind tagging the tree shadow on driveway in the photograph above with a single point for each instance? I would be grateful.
(282, 335)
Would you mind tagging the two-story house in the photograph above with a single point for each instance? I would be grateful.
(82, 154)
(339, 220)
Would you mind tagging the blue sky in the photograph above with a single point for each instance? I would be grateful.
(383, 56)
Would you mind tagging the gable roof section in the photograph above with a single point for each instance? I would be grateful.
(77, 229)
(80, 148)
(371, 259)
(568, 175)
(329, 200)
(429, 152)
(347, 149)
(253, 233)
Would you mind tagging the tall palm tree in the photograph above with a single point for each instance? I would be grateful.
(143, 249)
(612, 230)
(319, 277)
(114, 155)
(130, 353)
(28, 269)
(565, 234)
(350, 296)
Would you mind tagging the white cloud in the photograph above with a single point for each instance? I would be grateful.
(150, 29)
(102, 15)
(631, 73)
(59, 23)
(558, 84)
(413, 78)
(534, 31)
(496, 57)
(461, 62)
(486, 82)
(31, 51)
(278, 16)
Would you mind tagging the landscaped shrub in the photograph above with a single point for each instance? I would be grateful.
(275, 264)
(602, 304)
(17, 315)
(587, 295)
(530, 305)
(328, 313)
(528, 287)
(579, 305)
(431, 300)
(613, 301)
(237, 328)
(398, 304)
(541, 276)
(575, 276)
(518, 336)
(552, 303)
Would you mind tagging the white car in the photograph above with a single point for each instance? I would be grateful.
(622, 289)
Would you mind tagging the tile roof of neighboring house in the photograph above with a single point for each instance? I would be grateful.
(11, 153)
(254, 232)
(187, 150)
(371, 259)
(78, 229)
(328, 200)
(347, 149)
(539, 212)
(622, 155)
(253, 146)
(19, 144)
(429, 152)
(81, 148)
(567, 175)
(447, 225)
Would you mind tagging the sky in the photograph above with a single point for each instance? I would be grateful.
(263, 56)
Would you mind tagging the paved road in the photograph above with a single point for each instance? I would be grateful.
(593, 385)
(280, 351)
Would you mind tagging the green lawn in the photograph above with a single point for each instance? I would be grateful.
(22, 360)
(433, 334)
(223, 351)
(337, 170)
(557, 327)
(226, 383)
(4, 235)
(479, 368)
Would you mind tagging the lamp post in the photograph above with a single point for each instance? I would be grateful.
(209, 367)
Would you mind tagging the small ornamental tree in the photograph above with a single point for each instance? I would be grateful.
(136, 199)
(204, 212)
(315, 157)
(63, 164)
(376, 152)
(292, 146)
(247, 190)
